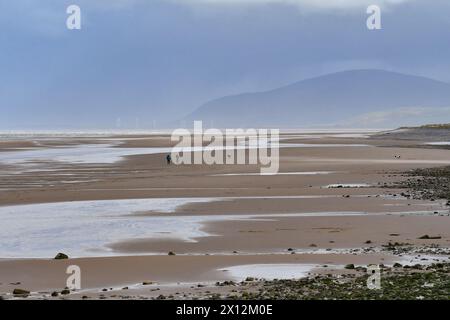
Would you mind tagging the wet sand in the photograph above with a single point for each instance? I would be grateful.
(266, 215)
(277, 234)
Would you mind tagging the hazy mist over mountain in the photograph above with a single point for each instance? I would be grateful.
(150, 64)
(359, 98)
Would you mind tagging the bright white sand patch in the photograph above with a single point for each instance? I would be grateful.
(81, 154)
(441, 143)
(85, 228)
(78, 228)
(300, 173)
(269, 271)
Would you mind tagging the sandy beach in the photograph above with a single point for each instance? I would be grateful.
(113, 205)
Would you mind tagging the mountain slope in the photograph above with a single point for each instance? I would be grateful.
(349, 97)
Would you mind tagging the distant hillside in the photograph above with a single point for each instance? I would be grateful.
(428, 133)
(358, 98)
(437, 126)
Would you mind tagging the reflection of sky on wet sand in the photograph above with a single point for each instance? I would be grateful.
(81, 154)
(293, 173)
(85, 228)
(269, 271)
(111, 153)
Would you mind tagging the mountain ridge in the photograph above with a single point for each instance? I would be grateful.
(325, 100)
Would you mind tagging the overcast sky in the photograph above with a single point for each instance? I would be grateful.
(158, 60)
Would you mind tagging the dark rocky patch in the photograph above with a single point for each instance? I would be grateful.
(61, 256)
